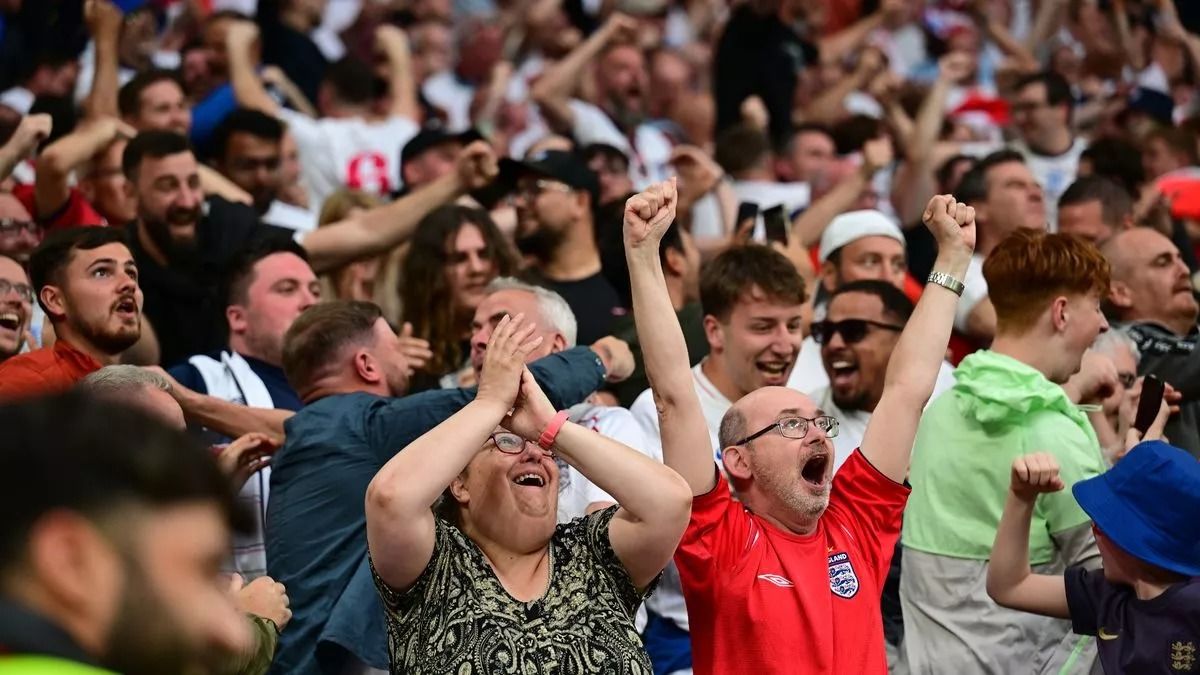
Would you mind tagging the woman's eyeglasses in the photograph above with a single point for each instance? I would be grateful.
(851, 330)
(511, 444)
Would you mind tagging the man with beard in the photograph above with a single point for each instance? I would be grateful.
(752, 299)
(86, 281)
(555, 194)
(16, 304)
(184, 252)
(1152, 292)
(268, 287)
(619, 113)
(111, 544)
(347, 366)
(786, 578)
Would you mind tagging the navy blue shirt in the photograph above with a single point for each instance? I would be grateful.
(1160, 635)
(316, 523)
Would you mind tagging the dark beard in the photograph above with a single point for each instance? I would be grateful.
(178, 252)
(541, 243)
(143, 640)
(851, 404)
(110, 343)
(626, 118)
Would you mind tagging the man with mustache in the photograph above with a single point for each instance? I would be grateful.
(86, 281)
(555, 194)
(16, 304)
(185, 248)
(752, 299)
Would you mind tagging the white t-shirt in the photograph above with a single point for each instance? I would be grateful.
(712, 402)
(575, 491)
(852, 424)
(445, 91)
(1055, 173)
(649, 153)
(282, 214)
(975, 288)
(349, 152)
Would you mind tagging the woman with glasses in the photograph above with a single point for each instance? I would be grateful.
(491, 584)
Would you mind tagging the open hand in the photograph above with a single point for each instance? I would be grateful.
(649, 213)
(532, 411)
(878, 153)
(1154, 433)
(952, 224)
(1035, 474)
(621, 28)
(391, 39)
(247, 456)
(416, 350)
(955, 67)
(477, 166)
(510, 346)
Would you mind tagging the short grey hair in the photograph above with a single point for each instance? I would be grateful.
(123, 379)
(551, 305)
(1108, 341)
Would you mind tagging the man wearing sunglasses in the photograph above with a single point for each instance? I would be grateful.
(16, 304)
(787, 579)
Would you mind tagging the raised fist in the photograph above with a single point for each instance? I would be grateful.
(951, 223)
(477, 166)
(649, 213)
(1035, 474)
(102, 17)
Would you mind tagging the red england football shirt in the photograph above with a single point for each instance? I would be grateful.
(761, 600)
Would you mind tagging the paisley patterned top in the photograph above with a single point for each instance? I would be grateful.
(458, 619)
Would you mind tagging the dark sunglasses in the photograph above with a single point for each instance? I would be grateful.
(851, 330)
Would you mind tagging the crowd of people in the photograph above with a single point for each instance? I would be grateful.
(341, 337)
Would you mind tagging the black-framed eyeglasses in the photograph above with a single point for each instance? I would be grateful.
(796, 427)
(12, 226)
(1127, 380)
(511, 444)
(24, 291)
(533, 188)
(851, 330)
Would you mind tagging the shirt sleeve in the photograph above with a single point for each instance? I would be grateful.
(189, 376)
(870, 505)
(400, 602)
(592, 125)
(596, 532)
(1085, 588)
(568, 377)
(717, 531)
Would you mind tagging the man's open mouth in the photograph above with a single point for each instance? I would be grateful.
(815, 468)
(10, 320)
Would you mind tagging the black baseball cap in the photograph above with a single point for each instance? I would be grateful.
(564, 167)
(430, 138)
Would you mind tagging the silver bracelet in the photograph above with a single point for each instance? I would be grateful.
(946, 281)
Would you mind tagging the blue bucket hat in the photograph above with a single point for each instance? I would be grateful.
(1149, 505)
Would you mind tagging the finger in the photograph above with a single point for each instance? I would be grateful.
(236, 582)
(1057, 484)
(1021, 469)
(671, 191)
(406, 331)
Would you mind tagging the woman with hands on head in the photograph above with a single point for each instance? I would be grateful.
(491, 584)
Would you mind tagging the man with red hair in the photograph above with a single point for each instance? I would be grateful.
(1008, 401)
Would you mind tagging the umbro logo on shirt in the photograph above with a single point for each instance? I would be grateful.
(782, 582)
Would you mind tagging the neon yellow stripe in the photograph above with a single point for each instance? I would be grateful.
(45, 665)
(1079, 647)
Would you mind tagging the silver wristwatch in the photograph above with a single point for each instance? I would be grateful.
(946, 281)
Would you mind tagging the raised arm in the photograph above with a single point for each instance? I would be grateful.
(52, 187)
(913, 368)
(402, 86)
(687, 447)
(384, 227)
(400, 522)
(654, 500)
(914, 179)
(835, 47)
(104, 24)
(1010, 581)
(248, 89)
(809, 225)
(552, 91)
(33, 129)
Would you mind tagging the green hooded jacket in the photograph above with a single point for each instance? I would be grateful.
(998, 409)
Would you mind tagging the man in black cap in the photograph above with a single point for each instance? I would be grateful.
(554, 193)
(431, 154)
